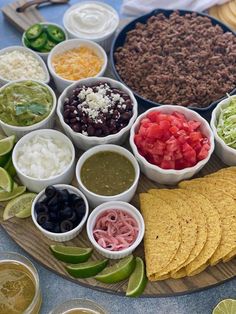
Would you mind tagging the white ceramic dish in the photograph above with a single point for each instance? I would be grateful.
(126, 208)
(46, 123)
(65, 236)
(62, 83)
(171, 177)
(44, 55)
(85, 142)
(223, 151)
(106, 40)
(95, 199)
(37, 185)
(4, 81)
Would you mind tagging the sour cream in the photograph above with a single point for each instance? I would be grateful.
(91, 20)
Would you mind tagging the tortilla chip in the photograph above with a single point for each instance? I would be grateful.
(213, 234)
(226, 207)
(197, 206)
(188, 229)
(162, 233)
(231, 255)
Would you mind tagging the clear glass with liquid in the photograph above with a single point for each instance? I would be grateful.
(79, 306)
(19, 285)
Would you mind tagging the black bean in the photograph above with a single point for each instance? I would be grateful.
(66, 113)
(73, 121)
(125, 116)
(90, 130)
(76, 127)
(98, 132)
(67, 121)
(73, 115)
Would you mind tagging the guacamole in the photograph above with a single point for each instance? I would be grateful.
(107, 173)
(25, 103)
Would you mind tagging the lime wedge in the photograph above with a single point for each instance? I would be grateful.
(15, 185)
(6, 145)
(71, 254)
(9, 167)
(227, 306)
(2, 136)
(117, 272)
(6, 196)
(87, 269)
(19, 207)
(137, 280)
(6, 182)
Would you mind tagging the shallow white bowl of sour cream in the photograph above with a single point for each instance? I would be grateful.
(92, 20)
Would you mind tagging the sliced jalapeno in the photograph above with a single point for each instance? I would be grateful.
(48, 46)
(27, 42)
(34, 31)
(55, 33)
(39, 42)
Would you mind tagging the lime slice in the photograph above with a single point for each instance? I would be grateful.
(6, 182)
(87, 269)
(15, 185)
(9, 167)
(227, 306)
(117, 272)
(6, 145)
(137, 280)
(2, 136)
(19, 207)
(6, 196)
(71, 254)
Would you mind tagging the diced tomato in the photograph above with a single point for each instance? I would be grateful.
(167, 164)
(155, 131)
(203, 152)
(195, 136)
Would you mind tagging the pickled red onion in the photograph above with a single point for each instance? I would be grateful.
(115, 230)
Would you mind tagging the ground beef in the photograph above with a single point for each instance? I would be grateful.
(180, 60)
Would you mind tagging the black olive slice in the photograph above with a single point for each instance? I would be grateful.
(64, 195)
(42, 218)
(73, 218)
(50, 191)
(66, 225)
(53, 201)
(48, 225)
(53, 216)
(41, 208)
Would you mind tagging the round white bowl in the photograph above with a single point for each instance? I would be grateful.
(46, 123)
(171, 176)
(65, 236)
(4, 81)
(95, 199)
(85, 142)
(37, 185)
(62, 83)
(44, 55)
(126, 208)
(223, 151)
(104, 41)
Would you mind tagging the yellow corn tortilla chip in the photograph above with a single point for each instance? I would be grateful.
(213, 233)
(188, 229)
(229, 256)
(226, 207)
(196, 204)
(162, 233)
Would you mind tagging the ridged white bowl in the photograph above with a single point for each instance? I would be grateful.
(169, 176)
(85, 142)
(223, 151)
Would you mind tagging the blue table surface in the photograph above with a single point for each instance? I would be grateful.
(56, 289)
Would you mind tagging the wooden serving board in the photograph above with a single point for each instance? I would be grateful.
(25, 234)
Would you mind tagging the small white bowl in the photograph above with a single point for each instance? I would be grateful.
(106, 40)
(95, 199)
(223, 151)
(85, 142)
(62, 83)
(20, 131)
(65, 236)
(4, 81)
(171, 176)
(44, 55)
(37, 185)
(126, 208)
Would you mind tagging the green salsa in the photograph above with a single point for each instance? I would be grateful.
(107, 173)
(25, 103)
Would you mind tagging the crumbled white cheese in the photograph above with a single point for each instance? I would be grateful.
(43, 157)
(16, 65)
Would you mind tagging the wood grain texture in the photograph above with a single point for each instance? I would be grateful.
(25, 234)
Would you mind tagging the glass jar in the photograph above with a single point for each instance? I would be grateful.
(70, 307)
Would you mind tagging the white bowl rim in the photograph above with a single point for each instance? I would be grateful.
(44, 23)
(171, 171)
(92, 138)
(80, 42)
(121, 206)
(214, 117)
(11, 48)
(100, 38)
(31, 127)
(103, 148)
(28, 136)
(61, 186)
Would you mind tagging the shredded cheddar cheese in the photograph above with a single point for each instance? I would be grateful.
(77, 63)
